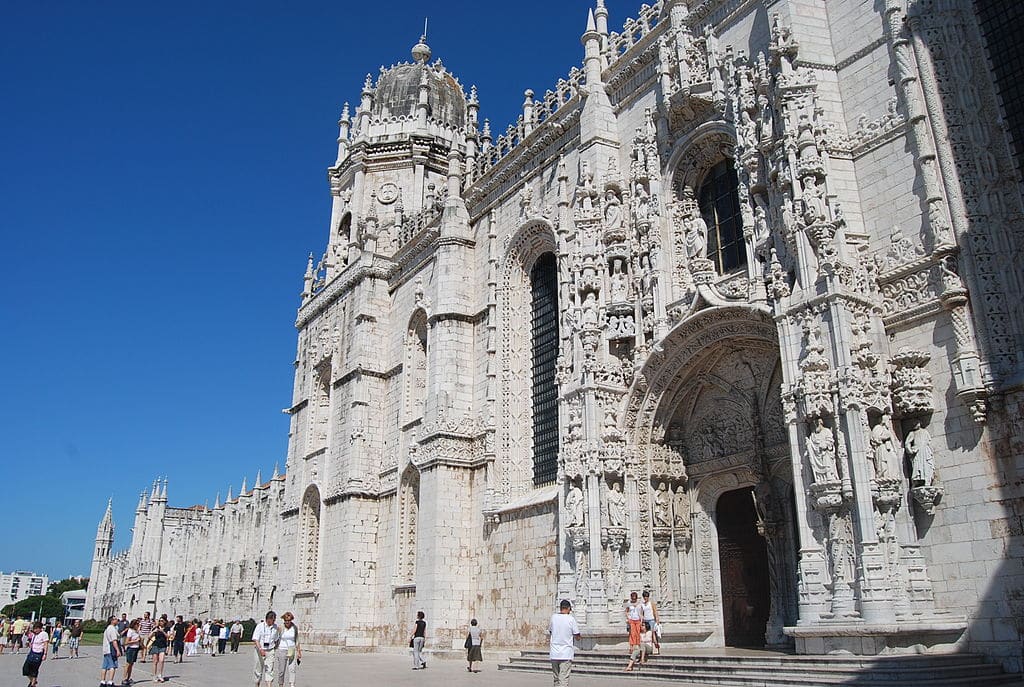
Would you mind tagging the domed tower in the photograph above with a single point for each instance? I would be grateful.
(386, 341)
(399, 160)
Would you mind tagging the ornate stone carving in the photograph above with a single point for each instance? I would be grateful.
(574, 506)
(911, 382)
(821, 454)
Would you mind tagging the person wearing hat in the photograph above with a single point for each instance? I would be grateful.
(564, 630)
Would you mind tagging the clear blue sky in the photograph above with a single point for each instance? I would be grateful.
(162, 180)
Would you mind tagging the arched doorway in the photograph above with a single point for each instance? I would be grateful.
(743, 564)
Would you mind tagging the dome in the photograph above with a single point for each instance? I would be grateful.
(398, 91)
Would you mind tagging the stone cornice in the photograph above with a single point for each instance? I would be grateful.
(381, 268)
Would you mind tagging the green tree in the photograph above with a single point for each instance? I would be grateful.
(45, 606)
(69, 585)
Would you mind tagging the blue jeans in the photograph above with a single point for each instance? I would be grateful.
(417, 652)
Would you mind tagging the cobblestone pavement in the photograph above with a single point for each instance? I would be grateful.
(328, 670)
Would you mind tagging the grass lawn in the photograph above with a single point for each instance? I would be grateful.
(91, 638)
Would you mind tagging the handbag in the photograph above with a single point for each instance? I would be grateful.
(469, 641)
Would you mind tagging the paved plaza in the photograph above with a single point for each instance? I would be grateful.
(316, 670)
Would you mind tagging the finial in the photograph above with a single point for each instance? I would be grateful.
(591, 22)
(216, 501)
(242, 492)
(344, 112)
(473, 100)
(259, 479)
(368, 84)
(421, 51)
(276, 475)
(229, 498)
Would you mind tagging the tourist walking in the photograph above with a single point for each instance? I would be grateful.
(146, 626)
(178, 638)
(222, 641)
(650, 615)
(417, 640)
(265, 638)
(110, 652)
(289, 651)
(56, 638)
(563, 630)
(132, 645)
(36, 654)
(474, 642)
(191, 635)
(157, 645)
(17, 631)
(74, 638)
(5, 628)
(236, 635)
(214, 636)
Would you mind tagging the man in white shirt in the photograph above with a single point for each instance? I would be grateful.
(563, 630)
(266, 637)
(110, 652)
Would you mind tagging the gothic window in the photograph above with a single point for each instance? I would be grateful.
(309, 540)
(544, 291)
(415, 366)
(720, 207)
(408, 518)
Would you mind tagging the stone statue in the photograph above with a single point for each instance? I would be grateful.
(746, 131)
(883, 443)
(696, 237)
(681, 508)
(612, 209)
(641, 203)
(646, 276)
(590, 316)
(814, 201)
(619, 288)
(919, 448)
(821, 453)
(662, 507)
(574, 506)
(616, 506)
(760, 227)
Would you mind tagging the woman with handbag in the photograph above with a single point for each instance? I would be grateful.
(158, 649)
(474, 642)
(289, 651)
(36, 654)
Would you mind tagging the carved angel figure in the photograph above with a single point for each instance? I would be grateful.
(919, 448)
(662, 506)
(616, 506)
(574, 506)
(821, 454)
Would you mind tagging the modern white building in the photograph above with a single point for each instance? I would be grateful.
(732, 312)
(20, 585)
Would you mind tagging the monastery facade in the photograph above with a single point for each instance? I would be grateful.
(731, 313)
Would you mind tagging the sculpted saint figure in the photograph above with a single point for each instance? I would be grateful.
(884, 445)
(574, 506)
(919, 447)
(616, 506)
(696, 237)
(619, 283)
(612, 209)
(589, 318)
(661, 507)
(821, 453)
(681, 508)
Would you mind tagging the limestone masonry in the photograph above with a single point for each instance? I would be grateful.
(731, 313)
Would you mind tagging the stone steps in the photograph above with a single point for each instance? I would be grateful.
(768, 669)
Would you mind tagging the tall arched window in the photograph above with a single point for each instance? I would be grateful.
(720, 207)
(309, 540)
(415, 367)
(544, 296)
(408, 518)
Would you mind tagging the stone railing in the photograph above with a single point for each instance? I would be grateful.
(633, 31)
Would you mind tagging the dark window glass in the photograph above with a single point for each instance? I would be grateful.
(544, 287)
(1001, 22)
(720, 207)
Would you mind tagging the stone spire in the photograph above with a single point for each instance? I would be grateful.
(106, 527)
(141, 508)
(276, 474)
(421, 51)
(597, 121)
(243, 489)
(163, 491)
(229, 498)
(259, 479)
(216, 501)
